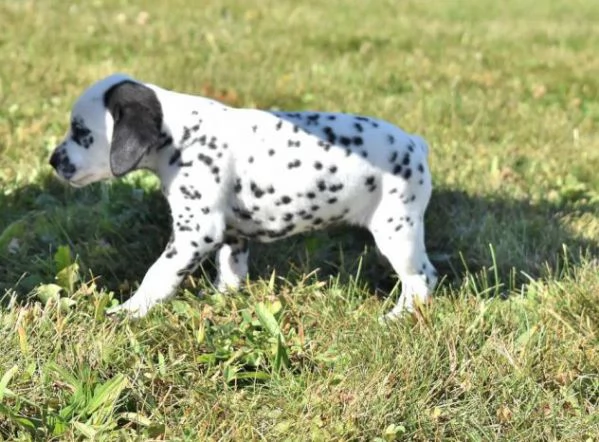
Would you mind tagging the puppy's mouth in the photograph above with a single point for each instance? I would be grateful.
(81, 181)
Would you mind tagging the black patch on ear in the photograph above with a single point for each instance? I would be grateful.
(137, 118)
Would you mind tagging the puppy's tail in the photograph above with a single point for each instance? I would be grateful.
(421, 143)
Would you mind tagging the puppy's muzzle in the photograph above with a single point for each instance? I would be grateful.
(61, 164)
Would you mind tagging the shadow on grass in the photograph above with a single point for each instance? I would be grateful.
(117, 230)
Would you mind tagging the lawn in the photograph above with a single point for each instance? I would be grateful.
(506, 93)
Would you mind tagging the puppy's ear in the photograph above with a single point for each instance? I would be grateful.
(137, 116)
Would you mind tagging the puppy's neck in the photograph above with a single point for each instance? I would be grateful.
(186, 119)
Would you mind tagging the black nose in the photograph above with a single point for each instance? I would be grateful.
(54, 160)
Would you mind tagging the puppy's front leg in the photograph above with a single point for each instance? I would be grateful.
(190, 244)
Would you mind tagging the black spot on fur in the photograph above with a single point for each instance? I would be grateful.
(333, 169)
(244, 214)
(174, 157)
(205, 159)
(359, 127)
(358, 141)
(80, 133)
(317, 165)
(331, 137)
(186, 135)
(335, 218)
(208, 240)
(280, 233)
(313, 119)
(294, 164)
(190, 194)
(326, 146)
(370, 183)
(271, 152)
(345, 141)
(258, 193)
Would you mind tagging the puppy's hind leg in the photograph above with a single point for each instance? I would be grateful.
(400, 238)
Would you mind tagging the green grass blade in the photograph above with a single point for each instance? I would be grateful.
(6, 377)
(268, 320)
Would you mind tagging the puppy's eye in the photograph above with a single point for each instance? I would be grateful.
(80, 134)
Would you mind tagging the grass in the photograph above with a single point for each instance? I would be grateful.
(505, 92)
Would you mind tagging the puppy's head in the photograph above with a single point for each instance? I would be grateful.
(114, 124)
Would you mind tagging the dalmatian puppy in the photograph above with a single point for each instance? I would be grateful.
(232, 175)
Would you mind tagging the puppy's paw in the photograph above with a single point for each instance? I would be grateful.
(127, 309)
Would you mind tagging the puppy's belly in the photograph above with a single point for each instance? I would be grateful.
(281, 218)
